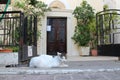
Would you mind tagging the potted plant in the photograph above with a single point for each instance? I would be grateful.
(84, 14)
(5, 50)
(93, 41)
(31, 7)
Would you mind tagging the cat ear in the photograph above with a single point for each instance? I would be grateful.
(59, 53)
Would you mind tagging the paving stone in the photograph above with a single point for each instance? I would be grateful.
(80, 76)
(39, 77)
(63, 77)
(77, 70)
(76, 76)
(112, 75)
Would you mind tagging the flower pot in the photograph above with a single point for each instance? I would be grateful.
(5, 50)
(84, 51)
(94, 52)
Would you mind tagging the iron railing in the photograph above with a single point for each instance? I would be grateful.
(10, 26)
(108, 32)
(18, 30)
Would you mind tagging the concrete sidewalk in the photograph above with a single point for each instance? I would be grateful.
(74, 67)
(90, 58)
(100, 69)
(76, 76)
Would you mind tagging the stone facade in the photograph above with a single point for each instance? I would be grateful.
(64, 8)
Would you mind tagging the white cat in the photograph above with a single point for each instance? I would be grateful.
(47, 61)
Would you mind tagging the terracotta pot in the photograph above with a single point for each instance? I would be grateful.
(94, 52)
(6, 50)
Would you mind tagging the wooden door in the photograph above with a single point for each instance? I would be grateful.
(56, 35)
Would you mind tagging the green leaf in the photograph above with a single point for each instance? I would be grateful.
(84, 15)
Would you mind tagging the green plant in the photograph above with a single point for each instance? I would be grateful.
(84, 15)
(34, 7)
(13, 48)
(108, 19)
(93, 41)
(82, 35)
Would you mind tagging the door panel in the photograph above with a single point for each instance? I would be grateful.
(56, 38)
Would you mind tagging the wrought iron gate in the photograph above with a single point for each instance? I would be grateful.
(28, 39)
(108, 32)
(19, 31)
(10, 27)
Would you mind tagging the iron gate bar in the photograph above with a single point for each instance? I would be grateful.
(4, 1)
(113, 48)
(100, 18)
(35, 30)
(2, 12)
(28, 38)
(102, 12)
(7, 27)
(21, 24)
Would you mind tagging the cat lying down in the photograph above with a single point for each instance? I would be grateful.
(47, 61)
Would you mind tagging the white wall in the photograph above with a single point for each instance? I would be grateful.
(70, 5)
(111, 3)
(117, 4)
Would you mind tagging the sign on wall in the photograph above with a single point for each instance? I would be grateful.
(48, 27)
(30, 51)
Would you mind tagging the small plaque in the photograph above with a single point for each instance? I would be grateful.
(49, 28)
(30, 51)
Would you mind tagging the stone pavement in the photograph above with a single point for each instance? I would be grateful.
(74, 67)
(78, 70)
(90, 58)
(69, 76)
